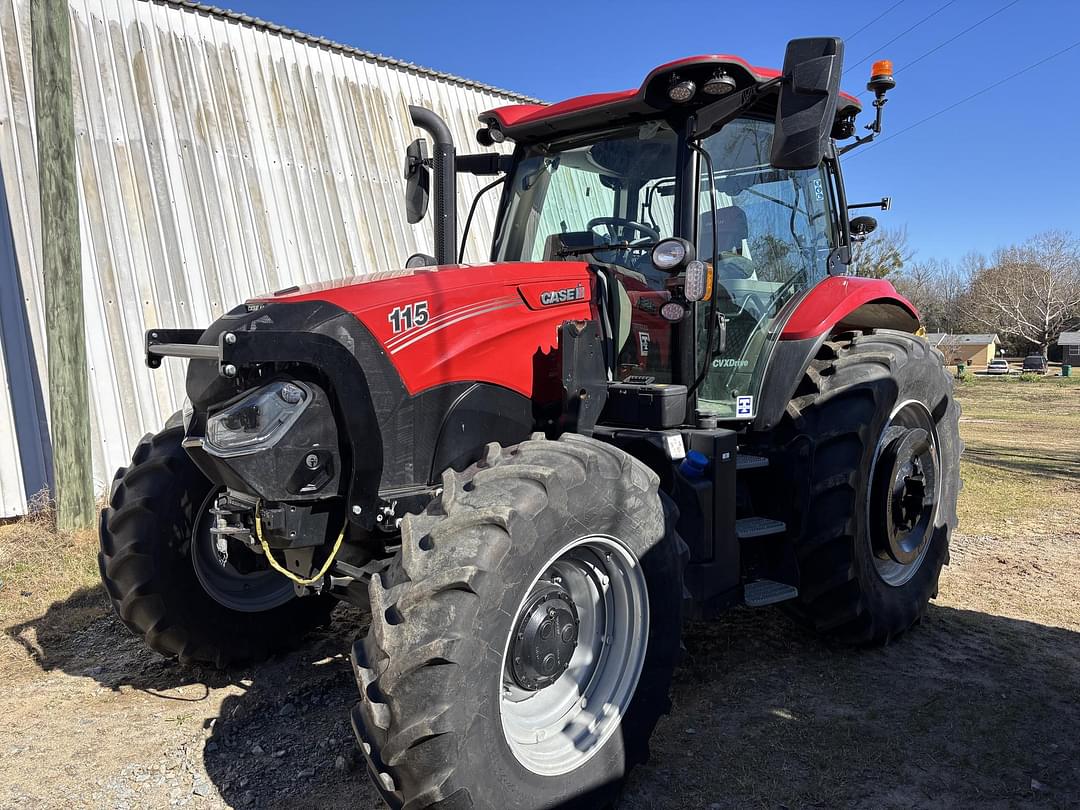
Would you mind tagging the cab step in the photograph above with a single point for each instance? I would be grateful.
(747, 461)
(762, 592)
(746, 528)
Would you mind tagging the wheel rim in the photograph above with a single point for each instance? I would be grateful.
(245, 591)
(904, 492)
(573, 656)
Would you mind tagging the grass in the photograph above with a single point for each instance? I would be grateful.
(1021, 465)
(39, 565)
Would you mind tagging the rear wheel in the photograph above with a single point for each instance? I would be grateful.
(522, 644)
(165, 580)
(874, 428)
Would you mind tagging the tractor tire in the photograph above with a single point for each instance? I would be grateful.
(445, 718)
(146, 561)
(874, 430)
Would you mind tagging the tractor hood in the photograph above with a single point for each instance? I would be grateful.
(456, 323)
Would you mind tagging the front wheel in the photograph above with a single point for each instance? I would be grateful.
(873, 432)
(522, 644)
(165, 580)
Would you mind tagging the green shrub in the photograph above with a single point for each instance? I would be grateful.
(962, 378)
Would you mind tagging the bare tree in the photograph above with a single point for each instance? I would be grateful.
(920, 284)
(883, 253)
(1030, 291)
(939, 290)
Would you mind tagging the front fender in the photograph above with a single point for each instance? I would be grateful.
(850, 302)
(836, 304)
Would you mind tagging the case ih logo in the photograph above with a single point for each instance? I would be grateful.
(562, 296)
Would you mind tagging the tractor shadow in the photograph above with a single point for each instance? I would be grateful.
(274, 734)
(967, 709)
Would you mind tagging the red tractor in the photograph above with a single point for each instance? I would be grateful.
(663, 395)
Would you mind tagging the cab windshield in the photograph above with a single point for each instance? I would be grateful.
(774, 233)
(609, 197)
(586, 193)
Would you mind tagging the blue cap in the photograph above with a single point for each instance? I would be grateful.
(693, 466)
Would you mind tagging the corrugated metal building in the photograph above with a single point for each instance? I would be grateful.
(218, 156)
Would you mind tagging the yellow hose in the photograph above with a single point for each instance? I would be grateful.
(280, 568)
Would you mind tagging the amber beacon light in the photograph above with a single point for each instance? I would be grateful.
(881, 77)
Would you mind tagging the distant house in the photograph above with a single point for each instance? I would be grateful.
(972, 350)
(1070, 347)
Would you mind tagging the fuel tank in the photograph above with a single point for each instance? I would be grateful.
(489, 323)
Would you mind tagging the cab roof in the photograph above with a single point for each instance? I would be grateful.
(526, 122)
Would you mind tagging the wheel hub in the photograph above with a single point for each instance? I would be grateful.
(546, 637)
(903, 495)
(574, 650)
(239, 581)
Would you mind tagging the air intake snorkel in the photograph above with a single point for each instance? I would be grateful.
(443, 162)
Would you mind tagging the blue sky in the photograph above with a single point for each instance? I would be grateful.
(990, 172)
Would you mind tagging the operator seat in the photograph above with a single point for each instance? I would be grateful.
(732, 233)
(731, 230)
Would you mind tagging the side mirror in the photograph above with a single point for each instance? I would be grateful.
(862, 227)
(809, 93)
(420, 260)
(417, 181)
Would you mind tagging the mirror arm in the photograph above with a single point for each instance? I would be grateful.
(713, 116)
(885, 204)
(859, 141)
(874, 127)
(485, 163)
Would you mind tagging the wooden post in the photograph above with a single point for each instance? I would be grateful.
(69, 411)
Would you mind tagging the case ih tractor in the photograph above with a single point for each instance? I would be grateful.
(663, 396)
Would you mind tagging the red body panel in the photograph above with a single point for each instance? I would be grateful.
(829, 302)
(514, 114)
(524, 115)
(464, 323)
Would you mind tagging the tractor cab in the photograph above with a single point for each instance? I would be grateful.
(712, 167)
(611, 196)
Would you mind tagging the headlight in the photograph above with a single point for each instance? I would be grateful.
(258, 420)
(671, 253)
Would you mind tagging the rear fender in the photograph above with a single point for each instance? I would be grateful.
(836, 304)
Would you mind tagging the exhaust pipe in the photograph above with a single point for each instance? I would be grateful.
(445, 183)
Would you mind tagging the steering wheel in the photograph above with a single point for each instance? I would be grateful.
(614, 224)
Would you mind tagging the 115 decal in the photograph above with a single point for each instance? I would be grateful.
(409, 316)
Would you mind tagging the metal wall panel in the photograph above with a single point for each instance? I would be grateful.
(218, 157)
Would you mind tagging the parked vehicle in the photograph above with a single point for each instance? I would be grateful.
(1035, 364)
(997, 366)
(664, 392)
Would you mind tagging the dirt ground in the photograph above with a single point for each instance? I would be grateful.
(979, 706)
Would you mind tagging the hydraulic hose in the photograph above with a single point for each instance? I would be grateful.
(285, 571)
